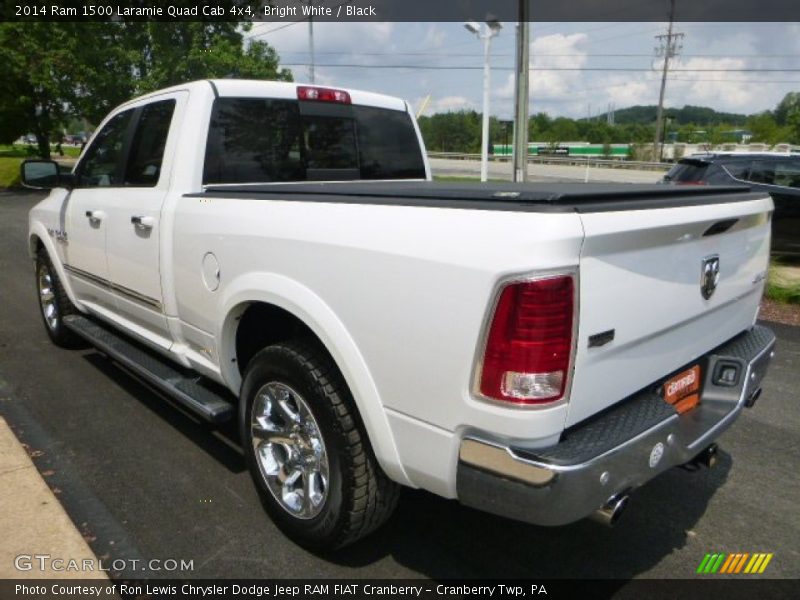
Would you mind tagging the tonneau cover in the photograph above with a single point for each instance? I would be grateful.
(580, 197)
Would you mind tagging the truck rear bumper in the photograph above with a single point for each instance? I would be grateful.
(620, 449)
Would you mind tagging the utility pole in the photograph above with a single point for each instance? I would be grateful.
(668, 47)
(311, 45)
(521, 95)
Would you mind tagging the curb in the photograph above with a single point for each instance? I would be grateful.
(33, 524)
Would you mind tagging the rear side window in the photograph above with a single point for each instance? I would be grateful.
(739, 170)
(762, 171)
(787, 173)
(687, 172)
(147, 147)
(259, 140)
(102, 164)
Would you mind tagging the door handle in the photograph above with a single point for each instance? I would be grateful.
(95, 216)
(142, 222)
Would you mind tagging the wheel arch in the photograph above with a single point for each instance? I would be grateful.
(269, 295)
(39, 238)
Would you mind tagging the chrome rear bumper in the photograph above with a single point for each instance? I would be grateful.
(617, 451)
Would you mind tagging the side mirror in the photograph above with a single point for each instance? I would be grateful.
(43, 175)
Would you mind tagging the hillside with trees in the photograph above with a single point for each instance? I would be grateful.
(461, 131)
(688, 115)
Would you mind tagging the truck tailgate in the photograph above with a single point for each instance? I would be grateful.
(642, 312)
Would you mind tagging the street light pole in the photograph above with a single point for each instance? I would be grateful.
(487, 40)
(490, 29)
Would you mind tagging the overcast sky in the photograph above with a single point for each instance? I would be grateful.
(727, 46)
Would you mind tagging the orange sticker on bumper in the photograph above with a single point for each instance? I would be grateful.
(682, 391)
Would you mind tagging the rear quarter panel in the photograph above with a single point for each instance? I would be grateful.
(398, 294)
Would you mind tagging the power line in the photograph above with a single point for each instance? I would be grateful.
(289, 24)
(539, 54)
(539, 68)
(755, 81)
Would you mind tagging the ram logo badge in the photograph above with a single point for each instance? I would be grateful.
(709, 277)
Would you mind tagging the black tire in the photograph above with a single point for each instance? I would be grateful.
(59, 307)
(359, 496)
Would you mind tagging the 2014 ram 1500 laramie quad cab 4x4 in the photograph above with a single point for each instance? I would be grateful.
(535, 351)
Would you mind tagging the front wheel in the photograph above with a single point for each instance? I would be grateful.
(54, 303)
(307, 451)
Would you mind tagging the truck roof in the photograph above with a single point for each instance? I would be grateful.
(257, 88)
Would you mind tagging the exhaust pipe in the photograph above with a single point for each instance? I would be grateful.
(611, 511)
(752, 399)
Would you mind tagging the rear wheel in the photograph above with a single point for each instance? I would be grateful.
(54, 303)
(307, 452)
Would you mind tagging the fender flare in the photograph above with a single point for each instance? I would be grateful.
(38, 232)
(303, 303)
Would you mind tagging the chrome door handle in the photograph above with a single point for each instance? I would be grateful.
(95, 216)
(142, 222)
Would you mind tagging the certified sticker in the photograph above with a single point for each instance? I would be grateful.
(655, 454)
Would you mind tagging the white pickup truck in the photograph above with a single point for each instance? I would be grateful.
(536, 351)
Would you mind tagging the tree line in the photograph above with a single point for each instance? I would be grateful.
(460, 131)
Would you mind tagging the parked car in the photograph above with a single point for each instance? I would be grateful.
(536, 351)
(778, 174)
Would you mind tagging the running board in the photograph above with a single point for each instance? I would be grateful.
(186, 389)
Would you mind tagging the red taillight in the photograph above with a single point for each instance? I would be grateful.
(320, 94)
(528, 347)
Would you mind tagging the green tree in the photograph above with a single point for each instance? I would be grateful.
(38, 78)
(789, 102)
(452, 131)
(172, 53)
(54, 71)
(538, 126)
(562, 129)
(793, 124)
(765, 128)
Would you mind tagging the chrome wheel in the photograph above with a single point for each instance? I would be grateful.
(289, 450)
(47, 297)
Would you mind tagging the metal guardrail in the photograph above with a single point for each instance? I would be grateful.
(580, 161)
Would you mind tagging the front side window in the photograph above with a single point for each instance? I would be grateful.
(149, 141)
(102, 164)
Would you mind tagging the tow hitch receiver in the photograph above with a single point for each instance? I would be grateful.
(707, 458)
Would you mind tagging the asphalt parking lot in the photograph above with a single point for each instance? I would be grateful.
(142, 480)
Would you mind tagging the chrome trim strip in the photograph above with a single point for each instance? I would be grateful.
(502, 461)
(127, 292)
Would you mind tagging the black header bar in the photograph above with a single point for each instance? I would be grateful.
(284, 11)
